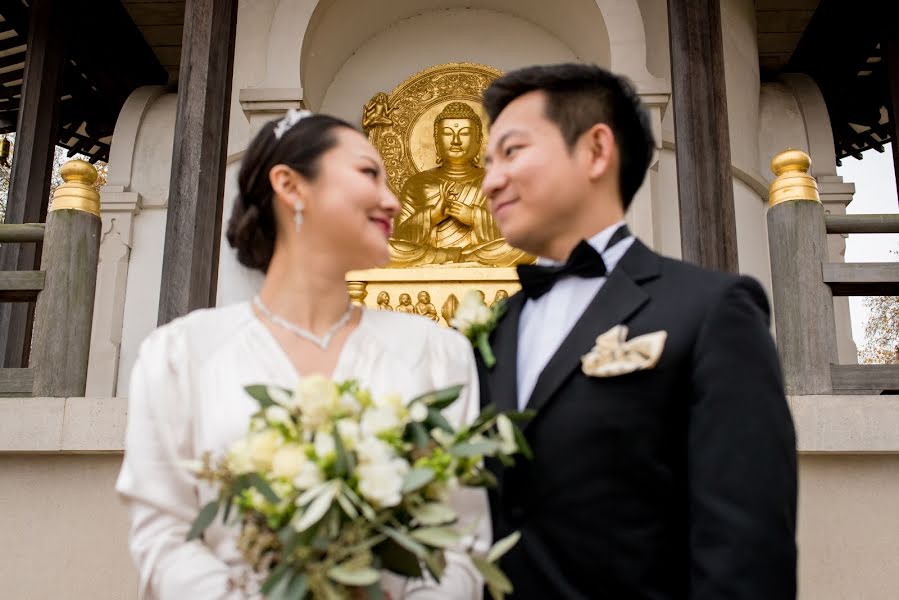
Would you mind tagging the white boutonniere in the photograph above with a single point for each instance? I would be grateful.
(615, 355)
(475, 320)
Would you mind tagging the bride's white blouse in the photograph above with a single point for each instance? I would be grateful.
(187, 397)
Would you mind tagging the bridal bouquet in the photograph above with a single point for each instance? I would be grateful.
(331, 485)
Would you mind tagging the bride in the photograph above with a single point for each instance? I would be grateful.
(313, 204)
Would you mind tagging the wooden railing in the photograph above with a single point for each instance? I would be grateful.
(805, 283)
(63, 288)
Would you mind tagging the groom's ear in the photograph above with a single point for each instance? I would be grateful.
(600, 149)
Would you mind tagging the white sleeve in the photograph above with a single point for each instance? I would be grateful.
(161, 496)
(461, 580)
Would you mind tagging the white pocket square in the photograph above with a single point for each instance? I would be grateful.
(615, 355)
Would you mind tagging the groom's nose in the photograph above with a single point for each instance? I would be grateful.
(494, 181)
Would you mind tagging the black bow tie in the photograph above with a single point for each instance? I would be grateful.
(584, 262)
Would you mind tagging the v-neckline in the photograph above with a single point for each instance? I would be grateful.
(272, 341)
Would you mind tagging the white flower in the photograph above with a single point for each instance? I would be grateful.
(318, 400)
(238, 459)
(507, 435)
(372, 450)
(255, 452)
(418, 412)
(349, 404)
(392, 401)
(378, 420)
(472, 311)
(277, 414)
(380, 483)
(308, 476)
(288, 461)
(349, 433)
(324, 444)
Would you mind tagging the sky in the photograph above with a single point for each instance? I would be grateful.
(875, 192)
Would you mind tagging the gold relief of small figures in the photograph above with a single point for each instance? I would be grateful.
(384, 301)
(377, 112)
(425, 308)
(501, 296)
(405, 305)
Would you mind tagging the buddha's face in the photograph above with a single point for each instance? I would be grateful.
(424, 298)
(458, 141)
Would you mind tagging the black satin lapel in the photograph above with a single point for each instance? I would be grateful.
(503, 377)
(619, 298)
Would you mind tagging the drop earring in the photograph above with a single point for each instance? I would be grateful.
(298, 215)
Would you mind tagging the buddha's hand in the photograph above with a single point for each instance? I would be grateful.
(448, 195)
(461, 212)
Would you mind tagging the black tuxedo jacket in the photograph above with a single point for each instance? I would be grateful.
(674, 482)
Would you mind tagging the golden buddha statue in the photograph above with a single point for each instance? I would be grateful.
(425, 308)
(445, 217)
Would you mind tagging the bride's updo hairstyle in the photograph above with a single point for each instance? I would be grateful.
(252, 228)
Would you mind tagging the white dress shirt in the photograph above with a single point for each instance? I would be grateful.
(546, 322)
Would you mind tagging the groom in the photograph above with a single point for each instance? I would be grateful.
(662, 471)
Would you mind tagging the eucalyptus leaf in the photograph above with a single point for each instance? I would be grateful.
(343, 464)
(440, 399)
(436, 563)
(433, 513)
(474, 449)
(405, 541)
(419, 434)
(347, 505)
(282, 571)
(487, 413)
(354, 576)
(502, 546)
(435, 419)
(203, 520)
(437, 537)
(312, 493)
(260, 394)
(398, 559)
(256, 481)
(367, 511)
(298, 588)
(317, 509)
(494, 577)
(417, 478)
(521, 441)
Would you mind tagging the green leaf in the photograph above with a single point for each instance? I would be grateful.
(367, 511)
(417, 478)
(259, 393)
(347, 506)
(494, 577)
(521, 441)
(435, 419)
(487, 413)
(419, 434)
(398, 559)
(374, 591)
(354, 576)
(281, 572)
(292, 586)
(433, 513)
(522, 416)
(436, 563)
(203, 520)
(317, 509)
(405, 541)
(229, 504)
(483, 344)
(437, 537)
(256, 481)
(442, 398)
(502, 546)
(343, 465)
(475, 449)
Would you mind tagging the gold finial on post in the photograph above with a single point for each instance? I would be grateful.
(793, 181)
(77, 193)
(357, 290)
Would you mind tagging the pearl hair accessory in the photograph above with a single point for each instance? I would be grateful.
(292, 117)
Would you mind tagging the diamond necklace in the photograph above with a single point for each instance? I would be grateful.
(322, 342)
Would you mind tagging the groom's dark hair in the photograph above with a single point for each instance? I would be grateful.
(579, 96)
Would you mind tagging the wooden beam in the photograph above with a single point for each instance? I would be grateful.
(862, 223)
(32, 161)
(20, 286)
(864, 377)
(862, 279)
(704, 184)
(16, 383)
(30, 232)
(196, 189)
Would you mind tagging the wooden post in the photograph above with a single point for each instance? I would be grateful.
(803, 303)
(193, 226)
(65, 307)
(891, 54)
(704, 184)
(29, 184)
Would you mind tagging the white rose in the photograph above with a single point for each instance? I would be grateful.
(308, 476)
(288, 461)
(238, 459)
(349, 404)
(324, 444)
(418, 412)
(277, 414)
(381, 483)
(349, 433)
(262, 448)
(372, 450)
(378, 420)
(471, 311)
(317, 399)
(392, 401)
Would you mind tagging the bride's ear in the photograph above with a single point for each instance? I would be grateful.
(288, 185)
